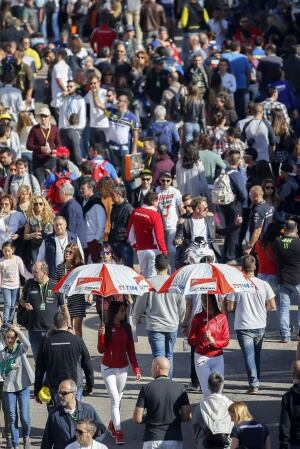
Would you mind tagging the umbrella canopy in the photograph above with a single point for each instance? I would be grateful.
(103, 280)
(207, 278)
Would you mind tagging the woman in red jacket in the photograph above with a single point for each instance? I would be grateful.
(115, 342)
(209, 334)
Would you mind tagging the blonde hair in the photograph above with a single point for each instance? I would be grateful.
(239, 412)
(47, 213)
(24, 121)
(24, 189)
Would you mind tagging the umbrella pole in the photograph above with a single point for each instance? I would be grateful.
(102, 309)
(207, 308)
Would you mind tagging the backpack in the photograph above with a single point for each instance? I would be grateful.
(222, 192)
(99, 171)
(220, 440)
(175, 106)
(53, 193)
(162, 134)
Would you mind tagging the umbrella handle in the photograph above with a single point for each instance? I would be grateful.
(102, 309)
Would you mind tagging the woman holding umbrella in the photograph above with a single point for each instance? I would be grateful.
(115, 342)
(209, 334)
(76, 303)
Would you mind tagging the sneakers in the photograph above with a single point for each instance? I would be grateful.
(252, 390)
(111, 429)
(119, 437)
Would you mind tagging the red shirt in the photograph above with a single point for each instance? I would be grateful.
(266, 259)
(218, 326)
(38, 137)
(118, 350)
(145, 229)
(102, 37)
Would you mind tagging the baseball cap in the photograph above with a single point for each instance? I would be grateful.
(146, 172)
(165, 174)
(45, 111)
(62, 152)
(5, 116)
(129, 28)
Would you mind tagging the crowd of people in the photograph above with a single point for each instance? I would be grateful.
(154, 135)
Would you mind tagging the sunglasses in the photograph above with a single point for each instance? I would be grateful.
(67, 251)
(65, 393)
(38, 204)
(269, 188)
(166, 180)
(146, 179)
(188, 206)
(81, 432)
(103, 253)
(93, 84)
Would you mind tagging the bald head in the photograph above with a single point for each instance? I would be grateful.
(160, 367)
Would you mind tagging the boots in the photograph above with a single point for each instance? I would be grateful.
(26, 443)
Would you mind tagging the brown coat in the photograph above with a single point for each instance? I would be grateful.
(152, 16)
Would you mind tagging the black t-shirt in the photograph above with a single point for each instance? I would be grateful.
(251, 434)
(287, 251)
(45, 304)
(162, 399)
(261, 216)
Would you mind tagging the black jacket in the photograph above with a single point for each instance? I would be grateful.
(60, 427)
(289, 425)
(61, 357)
(119, 218)
(71, 138)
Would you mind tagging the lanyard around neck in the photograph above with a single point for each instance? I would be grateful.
(46, 136)
(43, 291)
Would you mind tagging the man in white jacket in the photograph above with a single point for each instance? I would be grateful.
(212, 423)
(164, 313)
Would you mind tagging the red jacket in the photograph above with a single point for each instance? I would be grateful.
(218, 325)
(37, 139)
(101, 37)
(145, 229)
(120, 348)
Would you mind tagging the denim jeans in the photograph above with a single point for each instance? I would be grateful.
(10, 299)
(285, 293)
(250, 341)
(22, 398)
(189, 130)
(123, 250)
(37, 340)
(162, 345)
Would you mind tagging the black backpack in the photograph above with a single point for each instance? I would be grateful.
(217, 440)
(175, 106)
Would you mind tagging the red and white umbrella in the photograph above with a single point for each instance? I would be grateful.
(103, 279)
(207, 278)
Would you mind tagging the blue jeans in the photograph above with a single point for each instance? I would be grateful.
(37, 340)
(162, 345)
(285, 293)
(123, 250)
(22, 398)
(189, 130)
(250, 341)
(10, 299)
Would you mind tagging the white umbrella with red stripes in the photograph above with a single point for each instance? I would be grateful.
(103, 279)
(207, 278)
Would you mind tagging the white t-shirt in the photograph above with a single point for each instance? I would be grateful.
(62, 71)
(95, 445)
(97, 117)
(199, 228)
(250, 312)
(169, 202)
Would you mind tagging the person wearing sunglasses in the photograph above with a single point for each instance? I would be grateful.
(84, 433)
(141, 191)
(42, 139)
(169, 204)
(270, 193)
(20, 178)
(69, 415)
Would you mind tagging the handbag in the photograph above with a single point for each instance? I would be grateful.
(22, 316)
(133, 166)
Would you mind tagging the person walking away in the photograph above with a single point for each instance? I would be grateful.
(18, 376)
(166, 404)
(289, 422)
(247, 430)
(287, 253)
(250, 320)
(164, 313)
(62, 357)
(209, 334)
(115, 342)
(211, 421)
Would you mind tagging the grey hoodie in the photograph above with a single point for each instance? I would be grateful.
(164, 311)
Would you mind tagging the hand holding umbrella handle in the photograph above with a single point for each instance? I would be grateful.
(102, 329)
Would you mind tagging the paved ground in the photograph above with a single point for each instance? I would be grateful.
(276, 378)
